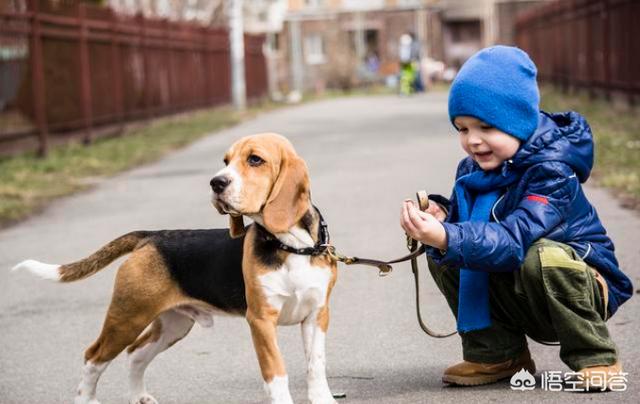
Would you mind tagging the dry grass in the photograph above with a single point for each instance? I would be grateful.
(616, 134)
(28, 183)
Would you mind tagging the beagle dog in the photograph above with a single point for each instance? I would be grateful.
(174, 278)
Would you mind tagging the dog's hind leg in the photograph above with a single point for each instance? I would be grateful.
(87, 388)
(169, 328)
(117, 332)
(143, 289)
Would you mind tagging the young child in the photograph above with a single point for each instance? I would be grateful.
(518, 249)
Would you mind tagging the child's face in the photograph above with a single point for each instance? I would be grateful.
(488, 146)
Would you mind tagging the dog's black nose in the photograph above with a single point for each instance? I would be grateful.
(219, 183)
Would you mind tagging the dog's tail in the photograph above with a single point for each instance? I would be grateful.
(90, 265)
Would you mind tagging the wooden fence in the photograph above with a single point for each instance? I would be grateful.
(86, 67)
(585, 44)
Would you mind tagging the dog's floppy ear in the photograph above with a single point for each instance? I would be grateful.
(236, 226)
(289, 198)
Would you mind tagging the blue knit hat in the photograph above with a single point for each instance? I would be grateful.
(498, 86)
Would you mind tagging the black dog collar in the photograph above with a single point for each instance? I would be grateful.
(319, 248)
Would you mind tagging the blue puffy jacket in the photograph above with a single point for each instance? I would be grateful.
(547, 201)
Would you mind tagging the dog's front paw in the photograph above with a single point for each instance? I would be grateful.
(321, 396)
(323, 400)
(278, 390)
(282, 400)
(85, 400)
(144, 398)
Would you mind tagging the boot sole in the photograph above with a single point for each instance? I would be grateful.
(475, 380)
(485, 379)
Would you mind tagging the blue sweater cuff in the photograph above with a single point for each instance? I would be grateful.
(453, 255)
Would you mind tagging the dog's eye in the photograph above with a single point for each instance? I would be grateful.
(254, 160)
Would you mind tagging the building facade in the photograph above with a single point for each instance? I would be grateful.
(342, 43)
(469, 25)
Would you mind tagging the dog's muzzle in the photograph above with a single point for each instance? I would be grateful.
(223, 207)
(219, 183)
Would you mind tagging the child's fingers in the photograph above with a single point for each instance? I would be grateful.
(437, 212)
(423, 215)
(434, 209)
(405, 222)
(416, 216)
(402, 214)
(408, 201)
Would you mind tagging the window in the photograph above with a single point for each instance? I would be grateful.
(273, 41)
(465, 31)
(314, 49)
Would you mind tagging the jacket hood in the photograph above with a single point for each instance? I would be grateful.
(565, 137)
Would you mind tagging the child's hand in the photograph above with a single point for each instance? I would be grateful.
(435, 210)
(422, 226)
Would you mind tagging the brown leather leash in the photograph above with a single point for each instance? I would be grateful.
(385, 267)
(416, 250)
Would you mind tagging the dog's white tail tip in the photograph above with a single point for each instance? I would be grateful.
(45, 271)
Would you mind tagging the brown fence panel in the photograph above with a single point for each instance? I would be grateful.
(255, 66)
(585, 44)
(73, 67)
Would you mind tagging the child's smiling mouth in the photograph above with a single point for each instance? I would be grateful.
(483, 156)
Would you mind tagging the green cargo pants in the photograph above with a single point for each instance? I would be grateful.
(554, 296)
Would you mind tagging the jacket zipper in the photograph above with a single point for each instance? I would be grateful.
(493, 208)
(588, 251)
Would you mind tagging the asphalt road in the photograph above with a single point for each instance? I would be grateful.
(365, 156)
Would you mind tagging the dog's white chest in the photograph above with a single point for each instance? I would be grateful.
(296, 289)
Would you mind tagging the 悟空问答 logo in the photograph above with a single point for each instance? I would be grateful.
(523, 380)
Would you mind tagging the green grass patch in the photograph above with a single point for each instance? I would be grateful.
(616, 133)
(27, 182)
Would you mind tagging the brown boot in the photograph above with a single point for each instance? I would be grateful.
(474, 374)
(598, 378)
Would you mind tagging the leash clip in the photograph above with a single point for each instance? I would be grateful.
(384, 270)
